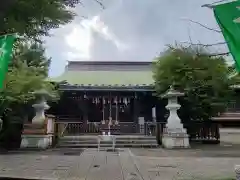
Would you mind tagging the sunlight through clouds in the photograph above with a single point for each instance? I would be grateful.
(130, 30)
(80, 39)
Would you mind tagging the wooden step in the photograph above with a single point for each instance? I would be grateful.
(86, 145)
(117, 137)
(121, 141)
(117, 142)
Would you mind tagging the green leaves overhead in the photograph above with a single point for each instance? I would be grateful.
(35, 18)
(204, 80)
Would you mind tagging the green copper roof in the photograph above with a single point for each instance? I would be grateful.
(107, 78)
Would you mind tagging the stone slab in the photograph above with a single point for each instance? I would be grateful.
(121, 165)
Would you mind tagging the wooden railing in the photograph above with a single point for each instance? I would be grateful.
(205, 132)
(77, 128)
(74, 128)
(128, 127)
(233, 106)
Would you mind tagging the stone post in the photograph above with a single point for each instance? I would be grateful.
(50, 124)
(51, 129)
(175, 136)
(237, 171)
(154, 117)
(141, 123)
(152, 125)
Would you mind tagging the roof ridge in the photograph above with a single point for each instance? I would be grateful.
(110, 62)
(106, 77)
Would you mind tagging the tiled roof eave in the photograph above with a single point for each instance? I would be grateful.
(146, 87)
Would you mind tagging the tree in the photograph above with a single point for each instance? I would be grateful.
(26, 74)
(203, 78)
(33, 55)
(5, 5)
(29, 67)
(35, 18)
(21, 82)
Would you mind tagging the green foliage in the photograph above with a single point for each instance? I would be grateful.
(234, 75)
(204, 80)
(26, 74)
(29, 66)
(33, 19)
(17, 97)
(30, 19)
(21, 82)
(33, 55)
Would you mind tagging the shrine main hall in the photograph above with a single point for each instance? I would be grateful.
(94, 92)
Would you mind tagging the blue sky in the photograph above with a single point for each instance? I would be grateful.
(129, 30)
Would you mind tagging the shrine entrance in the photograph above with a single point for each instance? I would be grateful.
(117, 108)
(96, 106)
(85, 112)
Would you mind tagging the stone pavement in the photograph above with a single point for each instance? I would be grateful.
(125, 164)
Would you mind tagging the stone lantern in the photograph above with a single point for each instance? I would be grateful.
(39, 133)
(40, 106)
(175, 135)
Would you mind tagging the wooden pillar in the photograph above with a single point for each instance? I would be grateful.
(116, 104)
(103, 109)
(135, 108)
(154, 117)
(85, 108)
(110, 106)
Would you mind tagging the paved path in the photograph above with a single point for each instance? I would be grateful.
(90, 165)
(121, 165)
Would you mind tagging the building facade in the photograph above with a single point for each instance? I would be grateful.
(96, 92)
(120, 93)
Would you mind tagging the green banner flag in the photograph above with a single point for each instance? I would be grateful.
(6, 46)
(228, 19)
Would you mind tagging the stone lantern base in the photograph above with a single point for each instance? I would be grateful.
(36, 141)
(38, 137)
(175, 138)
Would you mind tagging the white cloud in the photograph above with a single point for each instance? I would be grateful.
(99, 26)
(81, 39)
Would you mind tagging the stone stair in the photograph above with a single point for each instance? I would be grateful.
(121, 141)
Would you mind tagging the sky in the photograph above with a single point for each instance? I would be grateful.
(130, 30)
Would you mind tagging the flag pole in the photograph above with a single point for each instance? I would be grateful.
(211, 6)
(208, 6)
